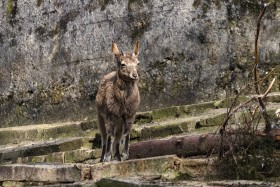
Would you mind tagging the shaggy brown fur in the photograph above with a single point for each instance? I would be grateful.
(117, 102)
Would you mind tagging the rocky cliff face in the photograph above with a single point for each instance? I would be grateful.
(53, 53)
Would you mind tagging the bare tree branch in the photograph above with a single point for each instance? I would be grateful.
(256, 75)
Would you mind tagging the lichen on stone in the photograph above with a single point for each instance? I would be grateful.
(11, 8)
(39, 2)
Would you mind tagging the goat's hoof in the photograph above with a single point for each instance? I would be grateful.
(117, 158)
(107, 159)
(125, 156)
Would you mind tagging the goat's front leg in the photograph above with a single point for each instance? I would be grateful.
(107, 156)
(103, 133)
(126, 150)
(128, 122)
(116, 146)
(103, 151)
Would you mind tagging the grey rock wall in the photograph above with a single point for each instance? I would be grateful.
(53, 52)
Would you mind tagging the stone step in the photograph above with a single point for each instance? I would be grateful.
(46, 173)
(162, 170)
(39, 132)
(209, 121)
(155, 182)
(80, 155)
(13, 153)
(194, 109)
(163, 129)
(16, 135)
(168, 167)
(174, 126)
(206, 123)
(58, 150)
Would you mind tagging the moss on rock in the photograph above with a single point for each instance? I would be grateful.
(160, 131)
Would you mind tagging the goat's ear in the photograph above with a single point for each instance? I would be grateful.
(136, 48)
(115, 49)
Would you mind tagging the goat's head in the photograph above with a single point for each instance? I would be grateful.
(127, 63)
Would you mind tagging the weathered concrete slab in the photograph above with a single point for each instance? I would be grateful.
(73, 156)
(40, 173)
(41, 148)
(155, 182)
(164, 168)
(78, 172)
(184, 122)
(16, 135)
(143, 167)
(81, 155)
(175, 126)
(195, 109)
(20, 134)
(177, 111)
(167, 167)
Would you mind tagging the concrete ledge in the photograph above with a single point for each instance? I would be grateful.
(168, 167)
(175, 126)
(73, 156)
(138, 181)
(42, 148)
(180, 120)
(164, 167)
(40, 173)
(41, 132)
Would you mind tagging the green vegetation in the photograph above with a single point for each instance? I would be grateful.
(218, 4)
(130, 2)
(39, 2)
(183, 176)
(140, 28)
(196, 3)
(10, 7)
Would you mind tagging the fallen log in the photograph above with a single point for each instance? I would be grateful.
(181, 146)
(192, 145)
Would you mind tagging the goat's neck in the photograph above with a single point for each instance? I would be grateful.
(125, 85)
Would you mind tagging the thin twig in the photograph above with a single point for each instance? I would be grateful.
(232, 111)
(268, 75)
(268, 89)
(256, 75)
(257, 51)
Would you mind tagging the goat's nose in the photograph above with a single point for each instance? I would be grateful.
(135, 76)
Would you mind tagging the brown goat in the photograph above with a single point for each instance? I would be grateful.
(117, 101)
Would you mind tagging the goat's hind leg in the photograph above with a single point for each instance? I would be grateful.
(102, 129)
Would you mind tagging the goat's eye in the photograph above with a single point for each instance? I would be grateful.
(123, 65)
